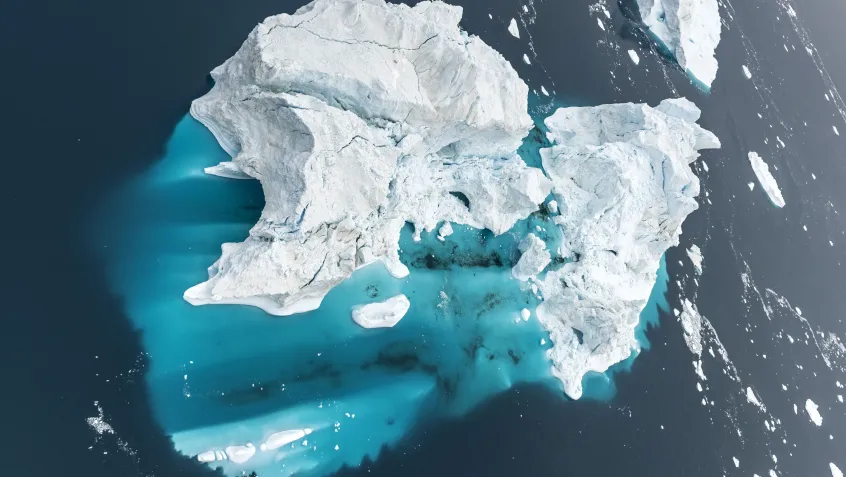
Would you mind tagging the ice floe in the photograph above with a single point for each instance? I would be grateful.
(633, 56)
(766, 179)
(383, 314)
(813, 412)
(512, 28)
(533, 260)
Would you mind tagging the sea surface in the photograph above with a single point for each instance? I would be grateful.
(96, 96)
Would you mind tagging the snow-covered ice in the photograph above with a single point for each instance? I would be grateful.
(689, 29)
(383, 314)
(813, 412)
(633, 56)
(406, 134)
(631, 162)
(534, 258)
(512, 28)
(766, 179)
(695, 256)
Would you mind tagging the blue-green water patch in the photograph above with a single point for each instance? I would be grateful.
(229, 375)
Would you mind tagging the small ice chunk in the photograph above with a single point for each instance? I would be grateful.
(768, 182)
(835, 129)
(812, 409)
(601, 25)
(736, 462)
(512, 28)
(543, 341)
(240, 454)
(751, 185)
(751, 397)
(207, 456)
(445, 231)
(526, 59)
(835, 472)
(533, 260)
(705, 166)
(552, 207)
(384, 314)
(525, 314)
(544, 91)
(282, 438)
(695, 256)
(840, 397)
(634, 57)
(746, 72)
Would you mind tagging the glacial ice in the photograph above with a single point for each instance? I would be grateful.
(689, 30)
(383, 314)
(533, 260)
(766, 179)
(512, 28)
(624, 186)
(355, 136)
(634, 57)
(361, 132)
(835, 471)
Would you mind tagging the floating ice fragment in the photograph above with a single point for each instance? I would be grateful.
(445, 231)
(813, 413)
(240, 454)
(633, 55)
(751, 185)
(768, 182)
(835, 472)
(835, 129)
(207, 456)
(383, 314)
(544, 91)
(282, 438)
(736, 462)
(601, 25)
(752, 398)
(746, 72)
(695, 256)
(526, 59)
(552, 207)
(525, 314)
(533, 260)
(512, 28)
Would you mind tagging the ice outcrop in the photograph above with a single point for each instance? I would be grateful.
(768, 182)
(384, 314)
(343, 112)
(623, 183)
(690, 31)
(533, 260)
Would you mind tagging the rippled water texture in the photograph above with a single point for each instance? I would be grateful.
(231, 375)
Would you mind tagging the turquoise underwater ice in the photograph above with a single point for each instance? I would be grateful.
(228, 375)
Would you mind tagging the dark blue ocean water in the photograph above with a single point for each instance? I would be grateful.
(98, 89)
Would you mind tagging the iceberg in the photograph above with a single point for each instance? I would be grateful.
(624, 186)
(383, 314)
(356, 135)
(512, 28)
(813, 412)
(766, 179)
(689, 30)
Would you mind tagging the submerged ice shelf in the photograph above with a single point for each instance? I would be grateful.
(390, 197)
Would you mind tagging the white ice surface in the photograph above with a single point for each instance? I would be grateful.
(534, 258)
(689, 29)
(353, 92)
(624, 185)
(384, 314)
(512, 28)
(633, 56)
(835, 471)
(813, 412)
(766, 179)
(746, 72)
(695, 256)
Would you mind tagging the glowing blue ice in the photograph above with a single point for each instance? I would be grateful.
(231, 375)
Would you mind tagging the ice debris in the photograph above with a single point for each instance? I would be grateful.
(695, 256)
(813, 412)
(768, 182)
(689, 30)
(633, 56)
(533, 260)
(746, 72)
(512, 28)
(384, 314)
